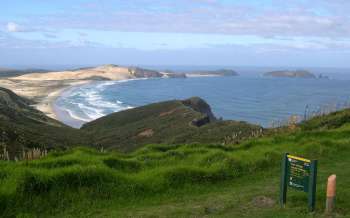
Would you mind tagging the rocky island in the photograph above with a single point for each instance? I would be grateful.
(291, 74)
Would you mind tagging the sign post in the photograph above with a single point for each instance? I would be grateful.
(300, 174)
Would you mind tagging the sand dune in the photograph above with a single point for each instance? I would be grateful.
(44, 88)
(108, 72)
(42, 92)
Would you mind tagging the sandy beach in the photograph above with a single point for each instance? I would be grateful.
(44, 88)
(42, 93)
(60, 113)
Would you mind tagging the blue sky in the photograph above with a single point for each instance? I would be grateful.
(297, 33)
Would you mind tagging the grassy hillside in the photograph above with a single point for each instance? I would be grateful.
(180, 180)
(171, 122)
(23, 126)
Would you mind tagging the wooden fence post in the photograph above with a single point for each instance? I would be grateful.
(331, 189)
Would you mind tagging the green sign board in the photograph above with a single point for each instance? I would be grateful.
(300, 174)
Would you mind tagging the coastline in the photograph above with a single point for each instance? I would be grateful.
(60, 114)
(44, 88)
(42, 93)
(47, 105)
(63, 115)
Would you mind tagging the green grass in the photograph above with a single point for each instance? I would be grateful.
(169, 122)
(22, 126)
(194, 180)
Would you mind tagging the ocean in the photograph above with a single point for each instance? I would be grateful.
(249, 97)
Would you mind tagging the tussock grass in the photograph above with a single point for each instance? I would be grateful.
(80, 177)
(128, 166)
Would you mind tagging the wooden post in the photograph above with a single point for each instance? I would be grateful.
(331, 189)
(312, 186)
(283, 185)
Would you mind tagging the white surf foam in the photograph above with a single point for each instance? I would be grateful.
(87, 103)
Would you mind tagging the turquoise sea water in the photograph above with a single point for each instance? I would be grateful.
(248, 98)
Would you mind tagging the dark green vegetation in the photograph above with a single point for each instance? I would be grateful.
(184, 165)
(144, 73)
(292, 74)
(172, 122)
(23, 126)
(331, 121)
(196, 180)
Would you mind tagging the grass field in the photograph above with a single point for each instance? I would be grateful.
(170, 122)
(180, 181)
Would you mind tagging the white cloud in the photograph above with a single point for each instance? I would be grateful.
(13, 27)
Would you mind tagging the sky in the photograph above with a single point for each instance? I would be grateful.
(298, 33)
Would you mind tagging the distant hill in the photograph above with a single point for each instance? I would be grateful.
(144, 73)
(104, 72)
(23, 126)
(171, 122)
(5, 72)
(291, 74)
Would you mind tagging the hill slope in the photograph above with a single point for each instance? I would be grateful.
(23, 126)
(170, 122)
(238, 180)
(104, 72)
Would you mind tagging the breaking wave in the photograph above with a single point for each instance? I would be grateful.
(87, 102)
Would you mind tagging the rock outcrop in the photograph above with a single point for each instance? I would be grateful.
(291, 74)
(143, 73)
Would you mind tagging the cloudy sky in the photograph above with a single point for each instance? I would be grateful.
(296, 33)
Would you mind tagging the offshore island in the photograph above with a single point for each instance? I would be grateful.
(291, 74)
